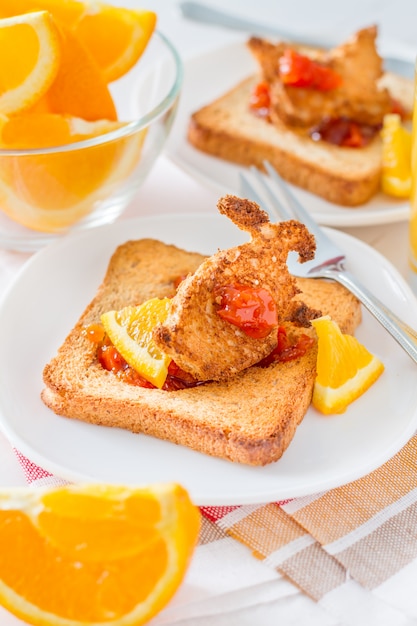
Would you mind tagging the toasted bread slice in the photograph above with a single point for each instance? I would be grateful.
(226, 128)
(250, 418)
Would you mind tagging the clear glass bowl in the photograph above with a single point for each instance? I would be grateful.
(48, 192)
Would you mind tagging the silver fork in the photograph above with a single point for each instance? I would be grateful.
(329, 259)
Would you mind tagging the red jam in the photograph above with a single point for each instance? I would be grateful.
(260, 100)
(340, 131)
(111, 360)
(344, 132)
(252, 309)
(178, 281)
(298, 70)
(178, 379)
(287, 350)
(94, 332)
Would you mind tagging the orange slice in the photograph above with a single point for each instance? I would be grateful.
(396, 157)
(79, 88)
(98, 554)
(116, 37)
(130, 331)
(345, 368)
(45, 130)
(51, 191)
(30, 53)
(130, 32)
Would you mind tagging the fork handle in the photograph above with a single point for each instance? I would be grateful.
(401, 332)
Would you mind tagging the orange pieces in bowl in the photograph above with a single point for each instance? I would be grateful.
(57, 60)
(52, 190)
(94, 554)
(115, 36)
(44, 130)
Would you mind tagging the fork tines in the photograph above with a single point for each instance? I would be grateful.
(273, 194)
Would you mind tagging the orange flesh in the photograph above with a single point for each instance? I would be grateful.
(87, 590)
(15, 69)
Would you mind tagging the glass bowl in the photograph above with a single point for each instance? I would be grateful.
(45, 193)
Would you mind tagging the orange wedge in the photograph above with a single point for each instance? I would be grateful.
(98, 554)
(30, 52)
(45, 130)
(345, 368)
(51, 191)
(79, 88)
(116, 37)
(396, 157)
(130, 331)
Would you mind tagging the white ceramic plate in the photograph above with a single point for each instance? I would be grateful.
(51, 292)
(213, 74)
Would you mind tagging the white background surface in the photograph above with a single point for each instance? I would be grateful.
(169, 189)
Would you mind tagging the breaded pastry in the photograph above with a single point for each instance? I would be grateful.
(195, 336)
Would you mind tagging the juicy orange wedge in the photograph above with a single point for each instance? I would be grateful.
(79, 88)
(45, 130)
(396, 157)
(30, 52)
(130, 31)
(51, 191)
(345, 368)
(97, 554)
(54, 72)
(115, 37)
(130, 331)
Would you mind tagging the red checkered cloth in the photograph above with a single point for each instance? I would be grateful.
(352, 550)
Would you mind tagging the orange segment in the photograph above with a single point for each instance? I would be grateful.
(67, 11)
(116, 37)
(45, 130)
(130, 32)
(130, 331)
(30, 53)
(79, 88)
(51, 191)
(396, 157)
(345, 368)
(94, 554)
